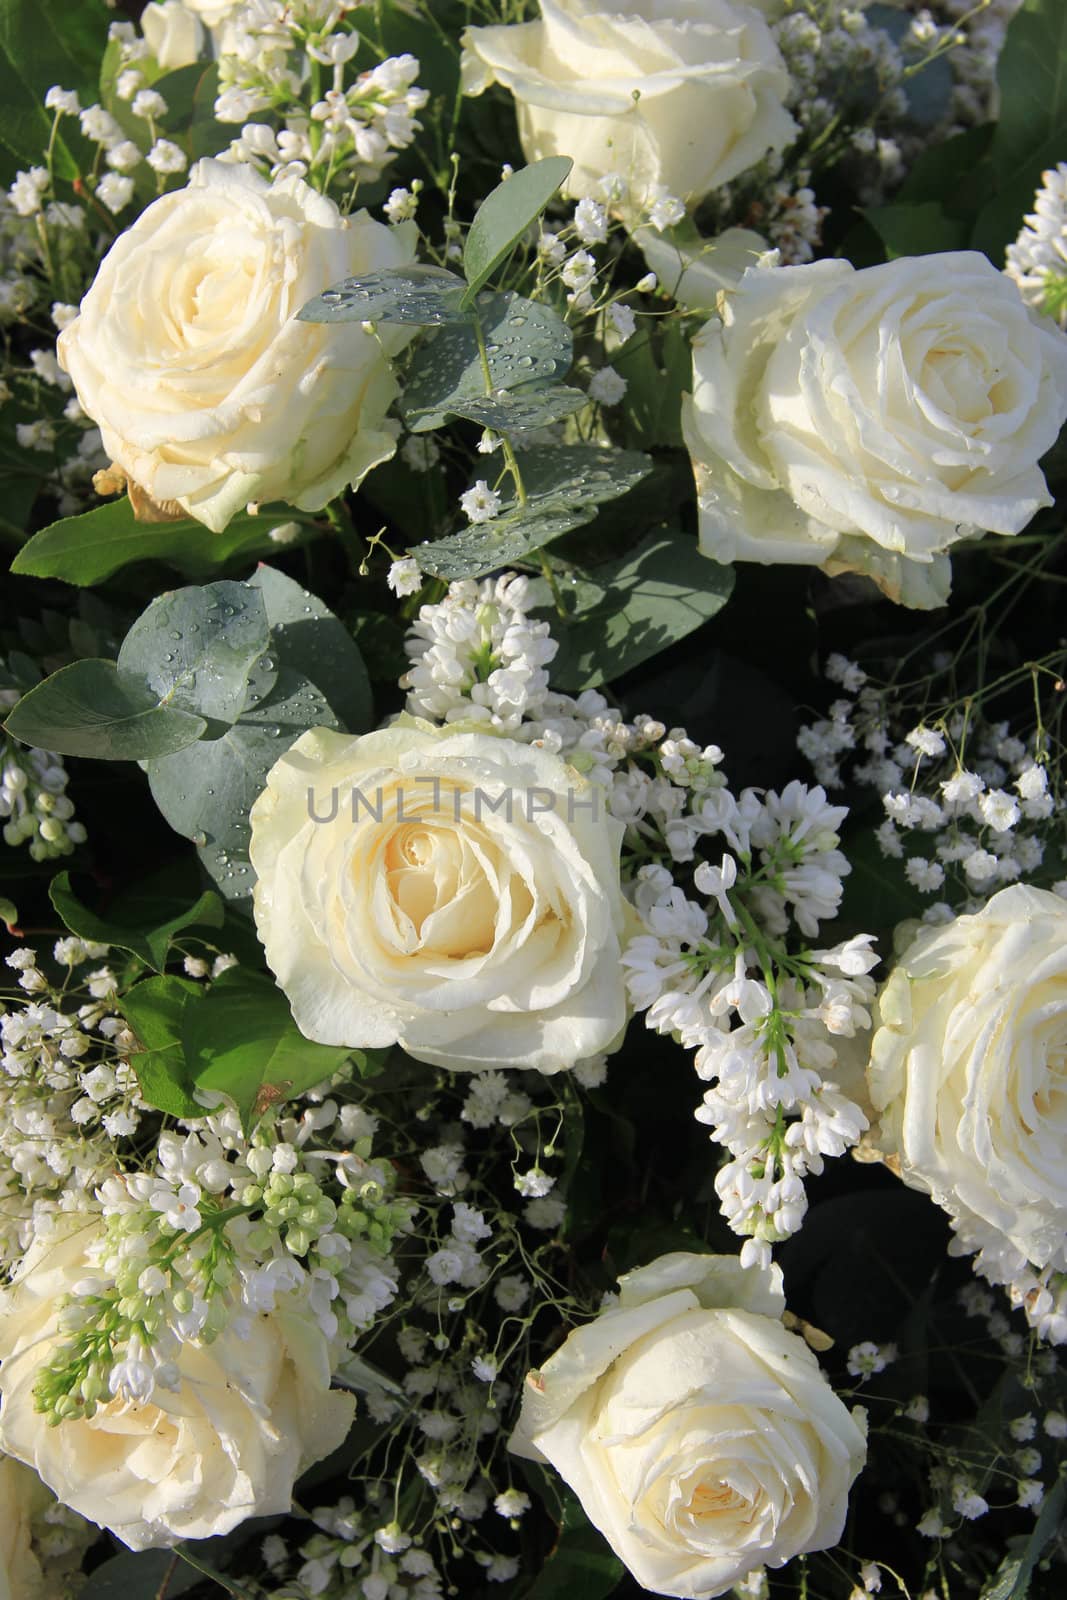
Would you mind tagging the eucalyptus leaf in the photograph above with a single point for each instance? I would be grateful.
(208, 800)
(195, 648)
(93, 546)
(526, 345)
(563, 486)
(507, 411)
(1011, 1581)
(634, 607)
(423, 295)
(309, 638)
(504, 216)
(92, 708)
(150, 943)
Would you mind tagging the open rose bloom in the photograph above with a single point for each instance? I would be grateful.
(452, 891)
(867, 421)
(187, 353)
(680, 95)
(250, 1412)
(700, 1436)
(967, 1075)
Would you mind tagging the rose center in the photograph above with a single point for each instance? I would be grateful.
(442, 898)
(960, 381)
(712, 1499)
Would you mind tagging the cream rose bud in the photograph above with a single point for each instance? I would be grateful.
(967, 1074)
(187, 354)
(700, 1436)
(254, 1409)
(173, 33)
(683, 94)
(865, 421)
(447, 890)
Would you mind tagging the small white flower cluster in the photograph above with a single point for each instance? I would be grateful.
(478, 656)
(979, 825)
(1037, 261)
(355, 1555)
(566, 256)
(978, 38)
(33, 799)
(67, 1093)
(769, 1018)
(847, 92)
(219, 1229)
(457, 1396)
(273, 57)
(119, 153)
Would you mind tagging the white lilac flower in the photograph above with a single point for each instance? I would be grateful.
(1037, 261)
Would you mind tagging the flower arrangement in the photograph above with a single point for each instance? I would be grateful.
(533, 1058)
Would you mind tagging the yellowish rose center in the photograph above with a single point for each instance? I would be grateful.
(442, 892)
(961, 381)
(711, 1499)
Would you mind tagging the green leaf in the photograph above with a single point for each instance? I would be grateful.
(142, 1576)
(9, 914)
(92, 709)
(41, 46)
(640, 604)
(581, 1564)
(564, 487)
(154, 1010)
(1031, 130)
(195, 648)
(417, 294)
(208, 800)
(239, 1038)
(526, 345)
(89, 548)
(149, 943)
(507, 412)
(915, 230)
(657, 364)
(310, 639)
(504, 216)
(1011, 1581)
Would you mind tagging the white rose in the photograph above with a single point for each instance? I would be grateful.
(700, 1436)
(254, 1409)
(866, 421)
(415, 913)
(686, 97)
(173, 32)
(187, 354)
(967, 1073)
